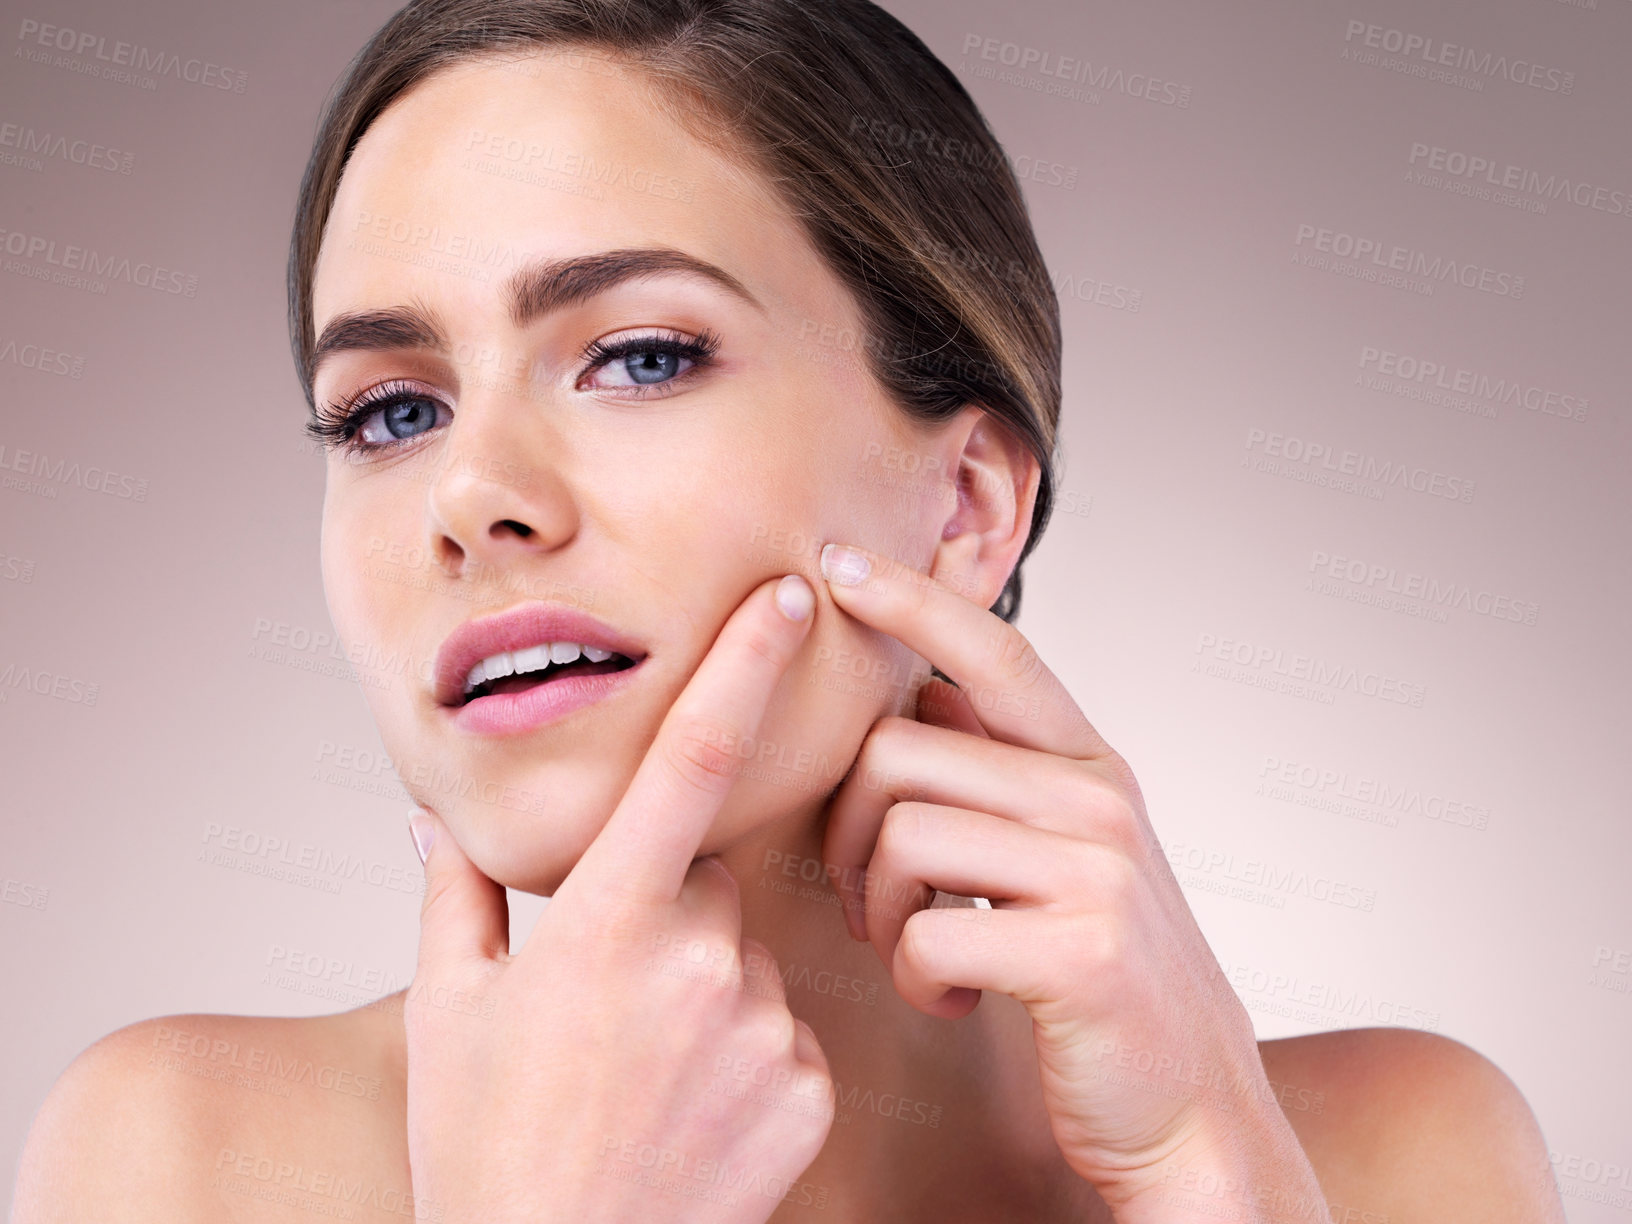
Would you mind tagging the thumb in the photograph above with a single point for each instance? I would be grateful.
(465, 914)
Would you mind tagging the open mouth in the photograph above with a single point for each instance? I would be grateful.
(535, 645)
(529, 669)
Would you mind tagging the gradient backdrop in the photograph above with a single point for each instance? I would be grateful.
(1340, 562)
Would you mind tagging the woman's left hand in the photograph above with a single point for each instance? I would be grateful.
(1002, 789)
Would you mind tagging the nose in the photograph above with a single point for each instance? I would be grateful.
(497, 495)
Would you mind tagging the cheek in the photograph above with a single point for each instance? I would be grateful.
(847, 677)
(526, 830)
(371, 575)
(347, 581)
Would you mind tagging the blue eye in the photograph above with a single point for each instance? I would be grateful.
(403, 417)
(649, 361)
(652, 366)
(381, 417)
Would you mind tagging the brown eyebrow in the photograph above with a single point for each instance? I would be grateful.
(533, 290)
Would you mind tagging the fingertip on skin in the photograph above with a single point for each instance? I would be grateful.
(795, 598)
(844, 566)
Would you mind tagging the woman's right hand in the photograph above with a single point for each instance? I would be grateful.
(598, 1073)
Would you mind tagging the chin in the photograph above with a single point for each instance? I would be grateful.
(557, 810)
(534, 853)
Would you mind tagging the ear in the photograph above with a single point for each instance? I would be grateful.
(997, 478)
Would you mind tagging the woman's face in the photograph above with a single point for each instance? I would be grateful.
(650, 492)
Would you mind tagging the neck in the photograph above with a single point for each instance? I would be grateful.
(936, 1119)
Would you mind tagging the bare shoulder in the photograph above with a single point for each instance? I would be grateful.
(203, 1117)
(1403, 1125)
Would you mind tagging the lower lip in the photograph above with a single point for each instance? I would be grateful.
(513, 713)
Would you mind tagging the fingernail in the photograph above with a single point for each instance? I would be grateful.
(843, 566)
(795, 598)
(423, 831)
(855, 913)
(856, 920)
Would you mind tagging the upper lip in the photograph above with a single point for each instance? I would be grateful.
(528, 624)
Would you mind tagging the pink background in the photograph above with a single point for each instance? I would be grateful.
(1171, 223)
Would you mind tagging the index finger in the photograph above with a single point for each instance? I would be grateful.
(1015, 697)
(658, 826)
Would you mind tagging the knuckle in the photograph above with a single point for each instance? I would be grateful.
(759, 961)
(697, 958)
(769, 1031)
(720, 955)
(888, 739)
(919, 944)
(1114, 812)
(701, 754)
(1118, 881)
(1017, 660)
(895, 728)
(921, 589)
(891, 731)
(609, 915)
(1125, 825)
(817, 1084)
(1120, 772)
(1105, 950)
(901, 822)
(768, 645)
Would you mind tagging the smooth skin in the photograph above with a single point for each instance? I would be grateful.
(490, 1088)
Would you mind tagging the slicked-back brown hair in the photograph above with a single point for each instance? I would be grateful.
(869, 139)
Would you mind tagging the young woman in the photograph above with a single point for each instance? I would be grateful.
(690, 376)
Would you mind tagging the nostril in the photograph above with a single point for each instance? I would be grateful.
(520, 529)
(448, 554)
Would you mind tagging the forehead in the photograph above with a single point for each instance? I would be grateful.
(491, 162)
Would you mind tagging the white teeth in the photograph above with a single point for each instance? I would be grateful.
(531, 659)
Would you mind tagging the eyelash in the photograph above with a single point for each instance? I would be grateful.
(335, 424)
